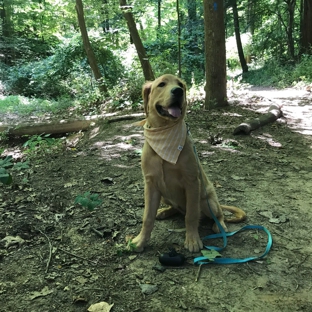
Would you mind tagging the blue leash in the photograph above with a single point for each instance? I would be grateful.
(224, 235)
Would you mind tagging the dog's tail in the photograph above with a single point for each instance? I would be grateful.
(239, 214)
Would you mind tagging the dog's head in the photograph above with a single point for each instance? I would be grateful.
(164, 100)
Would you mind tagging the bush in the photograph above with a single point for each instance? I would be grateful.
(303, 70)
(279, 74)
(65, 72)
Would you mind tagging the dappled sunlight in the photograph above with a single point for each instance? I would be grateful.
(268, 139)
(16, 153)
(299, 118)
(296, 106)
(232, 114)
(226, 148)
(128, 138)
(94, 132)
(118, 145)
(206, 153)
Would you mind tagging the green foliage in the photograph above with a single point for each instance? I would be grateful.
(88, 200)
(5, 165)
(40, 143)
(122, 249)
(5, 176)
(303, 70)
(274, 73)
(43, 56)
(66, 71)
(26, 106)
(127, 94)
(26, 49)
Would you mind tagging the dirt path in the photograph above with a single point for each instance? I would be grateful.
(268, 174)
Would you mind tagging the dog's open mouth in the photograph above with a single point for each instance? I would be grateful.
(173, 111)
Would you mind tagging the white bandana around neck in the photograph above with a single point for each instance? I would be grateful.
(167, 141)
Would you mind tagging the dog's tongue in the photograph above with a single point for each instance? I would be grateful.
(174, 111)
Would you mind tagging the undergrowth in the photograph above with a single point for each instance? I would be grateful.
(26, 106)
(280, 75)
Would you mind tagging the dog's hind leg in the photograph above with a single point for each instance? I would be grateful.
(210, 205)
(164, 213)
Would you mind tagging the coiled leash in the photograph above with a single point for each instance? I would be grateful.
(205, 260)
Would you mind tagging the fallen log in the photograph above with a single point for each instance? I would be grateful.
(61, 126)
(55, 127)
(272, 115)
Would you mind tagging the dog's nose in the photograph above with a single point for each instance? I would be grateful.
(177, 91)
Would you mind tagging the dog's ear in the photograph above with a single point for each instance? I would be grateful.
(146, 90)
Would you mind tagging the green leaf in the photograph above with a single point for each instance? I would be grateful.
(5, 177)
(88, 200)
(6, 162)
(21, 165)
(210, 254)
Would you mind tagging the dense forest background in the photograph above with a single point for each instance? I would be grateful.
(43, 56)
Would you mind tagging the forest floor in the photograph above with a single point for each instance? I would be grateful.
(58, 256)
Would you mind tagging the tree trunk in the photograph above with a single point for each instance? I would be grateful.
(192, 40)
(6, 12)
(159, 14)
(251, 16)
(251, 7)
(215, 54)
(146, 66)
(238, 38)
(290, 27)
(88, 47)
(306, 29)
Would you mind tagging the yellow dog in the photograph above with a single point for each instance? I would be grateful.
(171, 169)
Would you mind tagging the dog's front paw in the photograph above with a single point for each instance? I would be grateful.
(137, 244)
(193, 242)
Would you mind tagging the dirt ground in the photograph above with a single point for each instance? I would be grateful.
(67, 258)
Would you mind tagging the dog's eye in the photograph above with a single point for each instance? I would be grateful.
(181, 85)
(162, 84)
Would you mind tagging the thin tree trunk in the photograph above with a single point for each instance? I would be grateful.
(215, 54)
(251, 16)
(192, 44)
(6, 13)
(290, 27)
(179, 40)
(146, 66)
(88, 48)
(159, 14)
(238, 38)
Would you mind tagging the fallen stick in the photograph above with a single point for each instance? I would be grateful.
(50, 251)
(273, 114)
